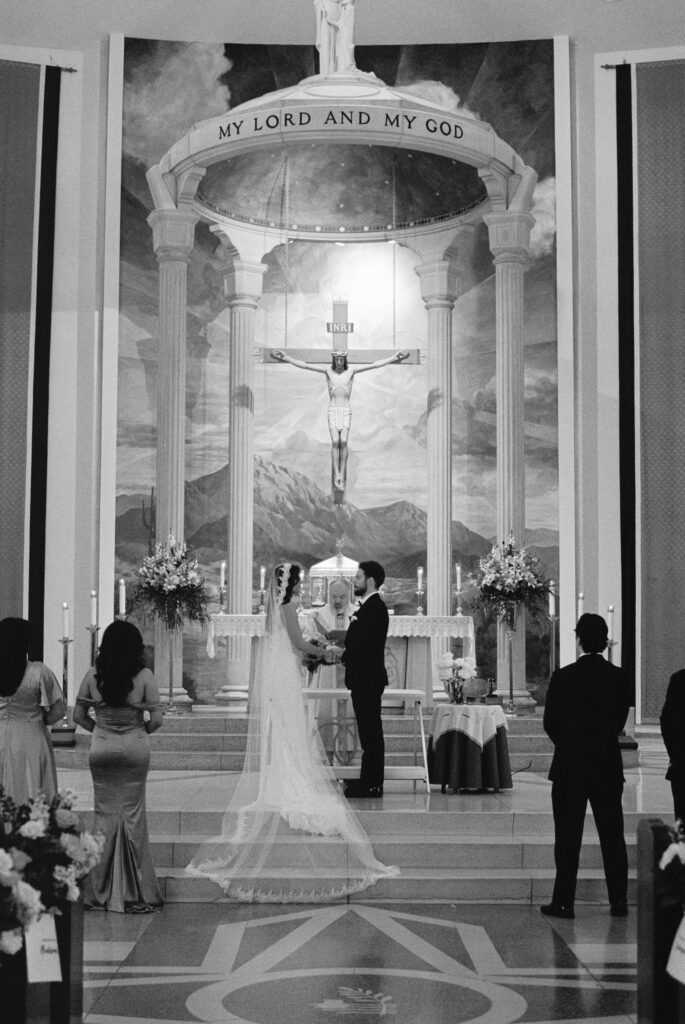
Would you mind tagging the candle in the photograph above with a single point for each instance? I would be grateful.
(93, 607)
(419, 578)
(302, 576)
(552, 600)
(262, 576)
(580, 605)
(65, 620)
(458, 568)
(610, 622)
(222, 576)
(122, 597)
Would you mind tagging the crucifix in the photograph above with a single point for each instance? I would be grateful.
(339, 378)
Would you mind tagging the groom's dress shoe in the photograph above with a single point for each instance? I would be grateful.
(557, 910)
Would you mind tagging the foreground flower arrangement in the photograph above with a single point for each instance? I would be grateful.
(171, 586)
(44, 852)
(511, 579)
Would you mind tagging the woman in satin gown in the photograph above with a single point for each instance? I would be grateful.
(119, 690)
(289, 835)
(30, 700)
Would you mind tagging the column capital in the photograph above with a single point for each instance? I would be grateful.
(438, 283)
(509, 235)
(243, 283)
(173, 234)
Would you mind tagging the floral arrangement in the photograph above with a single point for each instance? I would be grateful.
(44, 852)
(510, 579)
(454, 672)
(170, 585)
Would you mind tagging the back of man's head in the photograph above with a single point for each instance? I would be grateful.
(592, 633)
(373, 570)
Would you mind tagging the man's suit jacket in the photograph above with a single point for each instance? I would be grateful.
(586, 708)
(673, 725)
(364, 656)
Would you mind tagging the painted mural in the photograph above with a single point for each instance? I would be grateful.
(168, 87)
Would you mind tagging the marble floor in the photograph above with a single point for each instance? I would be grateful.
(416, 963)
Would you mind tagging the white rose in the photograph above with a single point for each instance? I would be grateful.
(11, 942)
(32, 829)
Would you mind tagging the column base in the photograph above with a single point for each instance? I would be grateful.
(182, 703)
(523, 701)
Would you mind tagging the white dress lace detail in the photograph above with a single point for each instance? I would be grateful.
(289, 834)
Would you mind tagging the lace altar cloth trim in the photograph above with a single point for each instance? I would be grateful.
(431, 625)
(479, 722)
(222, 624)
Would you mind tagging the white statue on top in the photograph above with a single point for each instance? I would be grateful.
(335, 35)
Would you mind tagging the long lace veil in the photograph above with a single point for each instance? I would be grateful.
(288, 834)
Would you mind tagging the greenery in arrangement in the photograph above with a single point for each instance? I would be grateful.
(44, 852)
(171, 586)
(511, 579)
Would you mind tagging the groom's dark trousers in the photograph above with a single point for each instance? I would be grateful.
(366, 678)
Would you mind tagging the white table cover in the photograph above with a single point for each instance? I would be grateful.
(479, 722)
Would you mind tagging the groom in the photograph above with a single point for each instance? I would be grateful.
(365, 676)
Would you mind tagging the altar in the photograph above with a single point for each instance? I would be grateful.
(414, 645)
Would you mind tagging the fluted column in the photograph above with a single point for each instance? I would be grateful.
(173, 233)
(509, 239)
(438, 290)
(243, 283)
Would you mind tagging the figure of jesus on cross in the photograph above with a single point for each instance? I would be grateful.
(339, 378)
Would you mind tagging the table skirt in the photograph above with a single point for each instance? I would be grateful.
(456, 761)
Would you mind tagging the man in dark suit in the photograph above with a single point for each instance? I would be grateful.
(673, 731)
(586, 708)
(365, 676)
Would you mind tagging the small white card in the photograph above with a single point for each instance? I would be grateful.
(42, 954)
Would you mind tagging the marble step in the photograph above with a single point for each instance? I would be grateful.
(456, 885)
(412, 851)
(380, 822)
(227, 761)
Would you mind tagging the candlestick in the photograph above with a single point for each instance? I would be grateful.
(458, 570)
(65, 619)
(63, 734)
(222, 576)
(419, 578)
(552, 600)
(93, 607)
(122, 597)
(580, 604)
(262, 577)
(610, 622)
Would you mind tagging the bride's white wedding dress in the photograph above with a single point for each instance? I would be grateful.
(289, 835)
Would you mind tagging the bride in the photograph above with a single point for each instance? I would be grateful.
(288, 835)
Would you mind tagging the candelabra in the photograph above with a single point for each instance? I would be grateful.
(93, 630)
(419, 601)
(222, 598)
(63, 733)
(610, 650)
(261, 601)
(553, 619)
(459, 608)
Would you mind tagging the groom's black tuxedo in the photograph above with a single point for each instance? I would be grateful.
(366, 677)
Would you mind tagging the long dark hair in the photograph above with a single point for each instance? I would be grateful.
(119, 659)
(15, 637)
(293, 579)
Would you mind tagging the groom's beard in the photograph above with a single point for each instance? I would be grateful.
(360, 591)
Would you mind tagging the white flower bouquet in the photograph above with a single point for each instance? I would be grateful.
(511, 579)
(171, 586)
(44, 853)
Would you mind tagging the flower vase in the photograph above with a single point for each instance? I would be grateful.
(511, 707)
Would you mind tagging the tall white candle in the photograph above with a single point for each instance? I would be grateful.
(580, 605)
(262, 577)
(610, 622)
(419, 578)
(93, 607)
(302, 576)
(458, 569)
(552, 600)
(65, 619)
(122, 597)
(222, 576)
